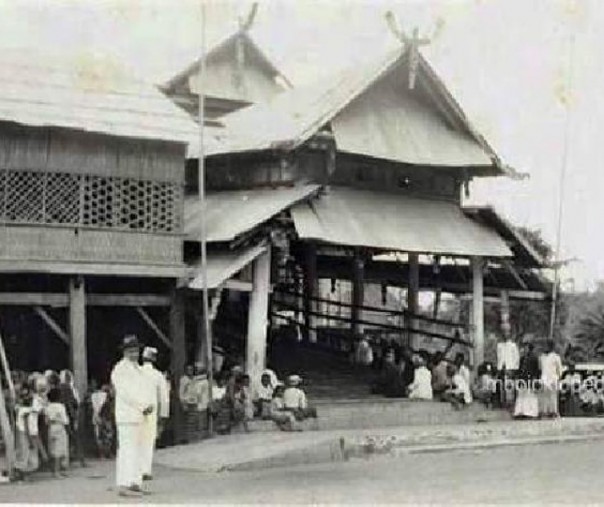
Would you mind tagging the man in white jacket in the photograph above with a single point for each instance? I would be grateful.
(158, 398)
(132, 407)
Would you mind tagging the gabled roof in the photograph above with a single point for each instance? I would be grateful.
(89, 95)
(294, 116)
(190, 70)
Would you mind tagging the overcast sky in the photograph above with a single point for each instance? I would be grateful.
(507, 61)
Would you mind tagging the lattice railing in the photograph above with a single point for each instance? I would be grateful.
(90, 201)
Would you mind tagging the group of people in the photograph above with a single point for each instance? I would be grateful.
(236, 399)
(524, 381)
(48, 412)
(423, 376)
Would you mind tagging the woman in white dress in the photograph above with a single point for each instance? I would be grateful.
(421, 388)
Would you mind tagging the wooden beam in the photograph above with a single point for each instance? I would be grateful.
(238, 285)
(512, 270)
(358, 294)
(138, 300)
(7, 436)
(52, 324)
(478, 309)
(58, 300)
(77, 333)
(258, 316)
(310, 291)
(34, 299)
(412, 296)
(149, 321)
(177, 357)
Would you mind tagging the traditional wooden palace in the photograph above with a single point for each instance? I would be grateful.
(356, 181)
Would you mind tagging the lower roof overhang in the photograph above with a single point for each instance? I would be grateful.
(221, 266)
(395, 222)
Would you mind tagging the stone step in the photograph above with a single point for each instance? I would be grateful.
(342, 414)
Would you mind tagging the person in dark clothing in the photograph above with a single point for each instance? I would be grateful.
(526, 404)
(391, 380)
(407, 370)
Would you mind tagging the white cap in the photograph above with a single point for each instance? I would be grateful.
(150, 353)
(294, 379)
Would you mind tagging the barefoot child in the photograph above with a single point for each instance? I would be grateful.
(58, 442)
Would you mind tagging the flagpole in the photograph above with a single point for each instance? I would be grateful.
(563, 170)
(203, 230)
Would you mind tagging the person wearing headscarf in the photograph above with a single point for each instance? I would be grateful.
(27, 435)
(421, 387)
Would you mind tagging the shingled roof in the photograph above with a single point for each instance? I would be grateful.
(88, 94)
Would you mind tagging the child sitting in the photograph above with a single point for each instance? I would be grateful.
(294, 399)
(58, 443)
(264, 396)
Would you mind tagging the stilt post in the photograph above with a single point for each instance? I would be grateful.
(178, 357)
(412, 297)
(77, 333)
(478, 309)
(258, 316)
(310, 291)
(358, 293)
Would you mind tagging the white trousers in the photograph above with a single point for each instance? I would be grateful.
(149, 429)
(130, 449)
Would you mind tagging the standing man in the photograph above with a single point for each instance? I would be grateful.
(551, 372)
(161, 409)
(508, 362)
(132, 407)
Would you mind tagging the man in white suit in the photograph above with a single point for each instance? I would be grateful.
(159, 399)
(132, 407)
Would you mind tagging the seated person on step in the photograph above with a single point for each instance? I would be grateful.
(294, 399)
(459, 393)
(283, 418)
(263, 396)
(484, 384)
(441, 380)
(220, 406)
(421, 387)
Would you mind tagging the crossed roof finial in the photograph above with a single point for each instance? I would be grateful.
(411, 45)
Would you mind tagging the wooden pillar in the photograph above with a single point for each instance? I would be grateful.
(201, 345)
(310, 291)
(506, 327)
(258, 316)
(177, 357)
(358, 293)
(412, 297)
(478, 309)
(77, 334)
